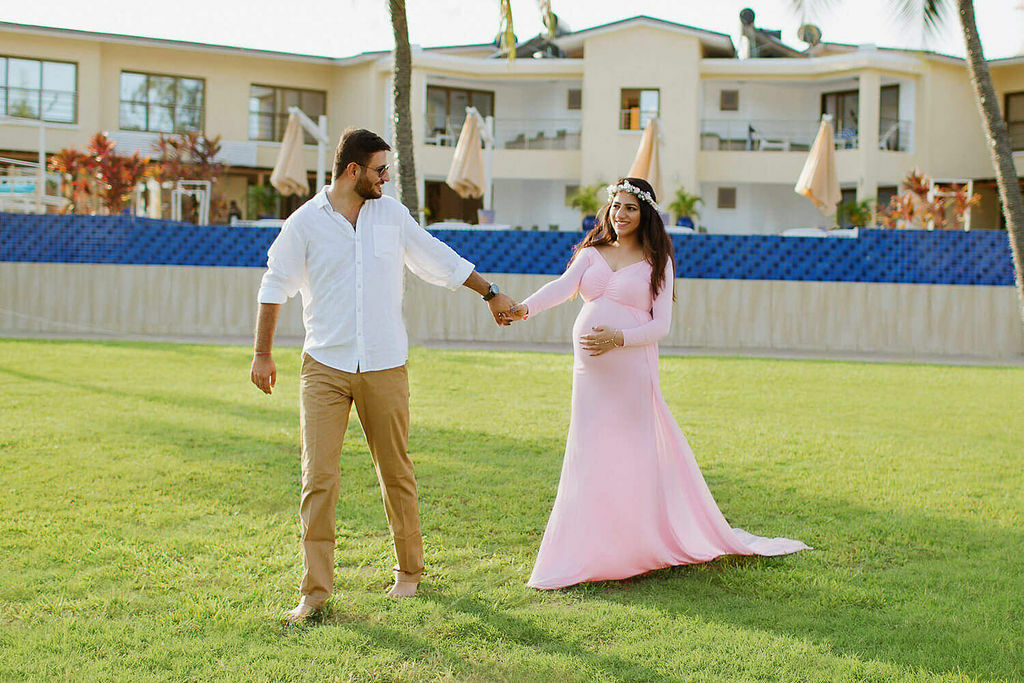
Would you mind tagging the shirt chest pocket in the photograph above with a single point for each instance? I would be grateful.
(386, 241)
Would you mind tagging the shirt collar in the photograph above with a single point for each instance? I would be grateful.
(321, 201)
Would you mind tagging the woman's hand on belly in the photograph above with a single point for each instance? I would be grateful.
(601, 340)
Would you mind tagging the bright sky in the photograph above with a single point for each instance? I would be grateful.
(339, 28)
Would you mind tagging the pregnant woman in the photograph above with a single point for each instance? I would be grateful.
(631, 497)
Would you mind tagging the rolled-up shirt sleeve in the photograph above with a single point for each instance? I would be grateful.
(432, 260)
(286, 266)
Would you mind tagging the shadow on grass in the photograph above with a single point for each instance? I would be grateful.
(502, 628)
(168, 398)
(456, 480)
(913, 590)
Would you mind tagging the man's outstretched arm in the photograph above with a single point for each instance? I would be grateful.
(264, 372)
(500, 303)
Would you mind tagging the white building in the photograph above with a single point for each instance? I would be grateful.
(566, 112)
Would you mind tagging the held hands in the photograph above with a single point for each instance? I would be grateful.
(263, 373)
(510, 314)
(500, 305)
(517, 312)
(601, 340)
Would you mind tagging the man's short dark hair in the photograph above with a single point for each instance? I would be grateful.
(358, 145)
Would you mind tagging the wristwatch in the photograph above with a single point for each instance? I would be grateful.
(492, 292)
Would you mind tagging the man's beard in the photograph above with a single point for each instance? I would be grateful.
(367, 190)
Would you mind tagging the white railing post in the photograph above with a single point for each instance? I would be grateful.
(321, 151)
(488, 161)
(41, 171)
(319, 133)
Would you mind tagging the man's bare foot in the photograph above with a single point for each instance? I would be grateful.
(300, 613)
(403, 589)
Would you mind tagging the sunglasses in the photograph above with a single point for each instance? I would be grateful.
(381, 170)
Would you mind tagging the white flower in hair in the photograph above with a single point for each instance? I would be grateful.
(626, 186)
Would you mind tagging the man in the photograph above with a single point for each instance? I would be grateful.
(345, 251)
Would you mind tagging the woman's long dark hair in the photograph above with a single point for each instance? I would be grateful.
(655, 242)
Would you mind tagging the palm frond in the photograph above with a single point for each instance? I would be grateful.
(818, 7)
(548, 17)
(508, 36)
(932, 12)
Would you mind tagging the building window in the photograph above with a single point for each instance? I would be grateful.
(842, 107)
(729, 100)
(889, 119)
(885, 195)
(38, 89)
(1015, 119)
(727, 198)
(575, 99)
(446, 111)
(268, 110)
(637, 107)
(161, 104)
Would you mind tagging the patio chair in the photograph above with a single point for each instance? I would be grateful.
(890, 138)
(764, 144)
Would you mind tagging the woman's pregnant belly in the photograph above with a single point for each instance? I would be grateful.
(607, 313)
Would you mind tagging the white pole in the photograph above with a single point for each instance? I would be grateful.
(488, 162)
(970, 192)
(321, 153)
(319, 131)
(41, 171)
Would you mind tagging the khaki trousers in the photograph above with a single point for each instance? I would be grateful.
(382, 402)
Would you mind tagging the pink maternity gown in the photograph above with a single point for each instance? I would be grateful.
(631, 498)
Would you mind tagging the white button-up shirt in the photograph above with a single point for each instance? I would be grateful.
(352, 279)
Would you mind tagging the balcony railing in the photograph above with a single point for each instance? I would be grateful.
(792, 135)
(513, 133)
(635, 118)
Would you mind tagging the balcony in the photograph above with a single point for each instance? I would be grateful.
(793, 135)
(509, 133)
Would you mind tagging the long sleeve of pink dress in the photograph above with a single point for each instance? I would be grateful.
(631, 497)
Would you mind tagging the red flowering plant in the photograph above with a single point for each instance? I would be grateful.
(118, 175)
(78, 179)
(191, 156)
(98, 177)
(922, 205)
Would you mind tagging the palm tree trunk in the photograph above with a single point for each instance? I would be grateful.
(402, 80)
(998, 140)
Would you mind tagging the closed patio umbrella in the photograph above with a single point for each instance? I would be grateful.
(289, 174)
(467, 174)
(818, 180)
(646, 165)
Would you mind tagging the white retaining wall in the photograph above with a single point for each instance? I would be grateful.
(720, 314)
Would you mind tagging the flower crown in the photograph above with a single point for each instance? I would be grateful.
(625, 186)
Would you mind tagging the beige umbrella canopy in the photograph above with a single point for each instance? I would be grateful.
(819, 181)
(646, 165)
(289, 174)
(467, 175)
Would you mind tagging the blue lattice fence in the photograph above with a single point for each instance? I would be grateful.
(918, 257)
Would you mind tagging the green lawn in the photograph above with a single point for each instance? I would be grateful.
(149, 525)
